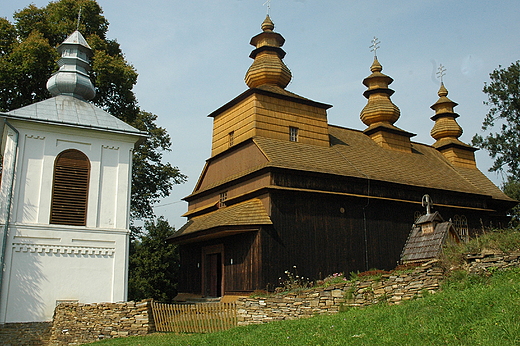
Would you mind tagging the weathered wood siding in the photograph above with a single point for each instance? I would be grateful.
(190, 274)
(321, 230)
(241, 261)
(322, 235)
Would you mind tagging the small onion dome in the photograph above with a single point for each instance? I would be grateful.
(72, 77)
(445, 124)
(379, 107)
(268, 67)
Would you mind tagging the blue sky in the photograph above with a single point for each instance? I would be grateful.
(192, 56)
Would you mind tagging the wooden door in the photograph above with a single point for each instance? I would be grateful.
(213, 275)
(212, 283)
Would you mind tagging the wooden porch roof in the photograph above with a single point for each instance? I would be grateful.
(238, 218)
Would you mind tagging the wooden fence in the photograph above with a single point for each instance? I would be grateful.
(194, 318)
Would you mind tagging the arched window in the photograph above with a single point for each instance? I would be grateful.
(417, 215)
(461, 226)
(70, 188)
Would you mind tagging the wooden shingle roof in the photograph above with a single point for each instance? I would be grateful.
(241, 217)
(354, 154)
(423, 247)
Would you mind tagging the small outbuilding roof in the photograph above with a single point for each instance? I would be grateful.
(424, 246)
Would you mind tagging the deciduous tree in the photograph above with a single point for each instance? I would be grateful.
(503, 93)
(154, 264)
(504, 101)
(28, 58)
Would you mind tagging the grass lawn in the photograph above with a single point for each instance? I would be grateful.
(471, 310)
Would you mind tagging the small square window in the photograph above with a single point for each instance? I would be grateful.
(293, 134)
(222, 199)
(231, 137)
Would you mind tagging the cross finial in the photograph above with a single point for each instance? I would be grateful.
(375, 46)
(268, 3)
(427, 202)
(79, 19)
(441, 72)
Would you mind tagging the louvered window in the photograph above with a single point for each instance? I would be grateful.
(70, 188)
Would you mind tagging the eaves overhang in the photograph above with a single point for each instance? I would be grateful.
(209, 234)
(287, 96)
(75, 125)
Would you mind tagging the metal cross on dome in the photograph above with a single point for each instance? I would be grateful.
(441, 72)
(268, 3)
(375, 46)
(427, 202)
(79, 18)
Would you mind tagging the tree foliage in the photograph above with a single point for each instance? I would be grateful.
(504, 145)
(512, 188)
(28, 58)
(504, 100)
(154, 264)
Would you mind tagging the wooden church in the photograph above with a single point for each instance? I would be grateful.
(284, 188)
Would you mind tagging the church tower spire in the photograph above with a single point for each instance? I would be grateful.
(381, 113)
(447, 131)
(72, 77)
(379, 108)
(266, 109)
(268, 67)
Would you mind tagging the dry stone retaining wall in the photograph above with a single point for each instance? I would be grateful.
(31, 333)
(76, 323)
(393, 288)
(488, 261)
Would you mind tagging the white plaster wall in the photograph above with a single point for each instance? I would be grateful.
(109, 186)
(8, 148)
(46, 263)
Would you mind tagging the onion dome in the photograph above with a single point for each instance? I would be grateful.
(72, 77)
(268, 67)
(379, 107)
(447, 131)
(445, 124)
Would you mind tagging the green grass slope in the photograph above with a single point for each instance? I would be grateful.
(470, 310)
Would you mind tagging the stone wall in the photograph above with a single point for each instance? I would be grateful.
(392, 288)
(488, 261)
(76, 323)
(26, 334)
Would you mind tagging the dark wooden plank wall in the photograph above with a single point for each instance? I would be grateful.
(333, 183)
(324, 234)
(190, 273)
(244, 274)
(242, 261)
